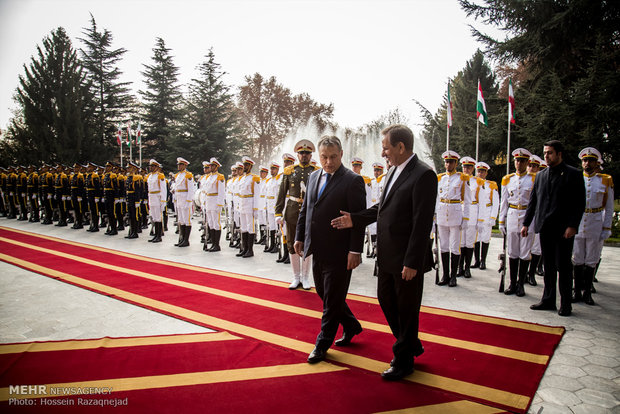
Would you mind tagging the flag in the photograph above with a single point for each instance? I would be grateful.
(129, 133)
(511, 103)
(139, 134)
(120, 133)
(481, 108)
(449, 108)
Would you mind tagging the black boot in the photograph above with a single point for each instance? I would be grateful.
(461, 264)
(588, 276)
(531, 279)
(284, 257)
(187, 231)
(244, 243)
(578, 277)
(469, 251)
(268, 242)
(523, 268)
(540, 270)
(263, 237)
(514, 272)
(158, 232)
(274, 242)
(445, 263)
(476, 264)
(181, 230)
(215, 247)
(250, 251)
(454, 264)
(373, 241)
(484, 249)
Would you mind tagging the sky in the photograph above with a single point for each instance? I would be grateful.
(367, 57)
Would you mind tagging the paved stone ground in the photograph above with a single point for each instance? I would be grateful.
(583, 376)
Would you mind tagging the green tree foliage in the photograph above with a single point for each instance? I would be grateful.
(162, 104)
(211, 127)
(55, 118)
(112, 98)
(571, 51)
(269, 111)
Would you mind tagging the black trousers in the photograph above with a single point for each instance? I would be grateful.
(400, 301)
(332, 279)
(557, 252)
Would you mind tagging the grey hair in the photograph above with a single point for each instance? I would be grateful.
(330, 140)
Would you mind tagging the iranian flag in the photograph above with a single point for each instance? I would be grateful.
(119, 134)
(449, 107)
(481, 108)
(511, 103)
(129, 133)
(139, 134)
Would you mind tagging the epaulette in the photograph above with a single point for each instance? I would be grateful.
(440, 175)
(506, 179)
(480, 181)
(161, 176)
(379, 178)
(189, 175)
(464, 177)
(278, 176)
(316, 167)
(367, 180)
(492, 185)
(606, 179)
(289, 170)
(533, 175)
(220, 177)
(255, 178)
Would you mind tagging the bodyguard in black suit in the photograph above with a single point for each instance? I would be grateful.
(335, 253)
(404, 217)
(557, 204)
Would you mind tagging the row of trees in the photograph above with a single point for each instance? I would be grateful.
(70, 103)
(563, 57)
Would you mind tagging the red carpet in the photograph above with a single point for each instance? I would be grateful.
(492, 361)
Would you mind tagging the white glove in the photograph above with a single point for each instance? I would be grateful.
(279, 220)
(79, 199)
(605, 234)
(502, 228)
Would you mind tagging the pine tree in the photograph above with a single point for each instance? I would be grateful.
(55, 119)
(112, 99)
(162, 100)
(211, 121)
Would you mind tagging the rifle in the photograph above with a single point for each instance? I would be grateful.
(368, 242)
(502, 266)
(436, 254)
(279, 242)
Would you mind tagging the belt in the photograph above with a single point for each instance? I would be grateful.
(298, 200)
(130, 192)
(489, 205)
(212, 194)
(153, 192)
(474, 203)
(448, 201)
(246, 195)
(518, 206)
(270, 197)
(594, 210)
(90, 188)
(108, 189)
(181, 191)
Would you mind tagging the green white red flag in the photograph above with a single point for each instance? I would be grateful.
(481, 108)
(449, 107)
(511, 103)
(119, 134)
(139, 134)
(129, 133)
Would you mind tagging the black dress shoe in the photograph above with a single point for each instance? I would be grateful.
(543, 306)
(317, 355)
(396, 373)
(347, 337)
(564, 311)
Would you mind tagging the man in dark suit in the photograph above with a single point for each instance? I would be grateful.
(404, 216)
(336, 254)
(557, 204)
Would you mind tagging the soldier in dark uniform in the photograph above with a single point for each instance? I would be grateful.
(120, 205)
(110, 188)
(12, 185)
(32, 191)
(133, 191)
(78, 194)
(22, 185)
(4, 186)
(292, 191)
(42, 191)
(101, 204)
(61, 192)
(144, 202)
(47, 192)
(93, 195)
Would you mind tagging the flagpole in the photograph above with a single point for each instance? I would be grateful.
(121, 151)
(477, 136)
(508, 149)
(448, 118)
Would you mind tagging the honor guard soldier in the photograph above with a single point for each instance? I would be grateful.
(120, 203)
(214, 191)
(201, 199)
(533, 166)
(4, 185)
(595, 226)
(248, 186)
(488, 208)
(93, 194)
(12, 187)
(292, 191)
(451, 214)
(132, 190)
(376, 189)
(78, 193)
(356, 165)
(110, 188)
(229, 205)
(32, 191)
(46, 179)
(516, 191)
(158, 195)
(469, 229)
(262, 204)
(185, 188)
(144, 201)
(236, 239)
(288, 160)
(61, 191)
(271, 192)
(22, 196)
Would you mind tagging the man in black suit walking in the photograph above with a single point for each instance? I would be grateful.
(336, 254)
(404, 216)
(557, 203)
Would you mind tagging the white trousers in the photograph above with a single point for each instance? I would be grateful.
(155, 209)
(184, 213)
(213, 219)
(536, 249)
(449, 239)
(271, 221)
(519, 247)
(484, 232)
(247, 222)
(587, 251)
(468, 236)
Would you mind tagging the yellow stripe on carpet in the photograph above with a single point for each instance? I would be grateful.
(469, 345)
(74, 345)
(435, 311)
(174, 380)
(454, 407)
(456, 386)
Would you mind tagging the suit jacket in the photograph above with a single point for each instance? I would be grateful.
(345, 191)
(558, 199)
(404, 218)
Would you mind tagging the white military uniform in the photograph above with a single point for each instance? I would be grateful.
(248, 186)
(214, 193)
(158, 194)
(261, 205)
(272, 185)
(452, 209)
(488, 207)
(376, 188)
(516, 191)
(469, 228)
(185, 188)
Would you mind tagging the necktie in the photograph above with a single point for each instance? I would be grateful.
(327, 176)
